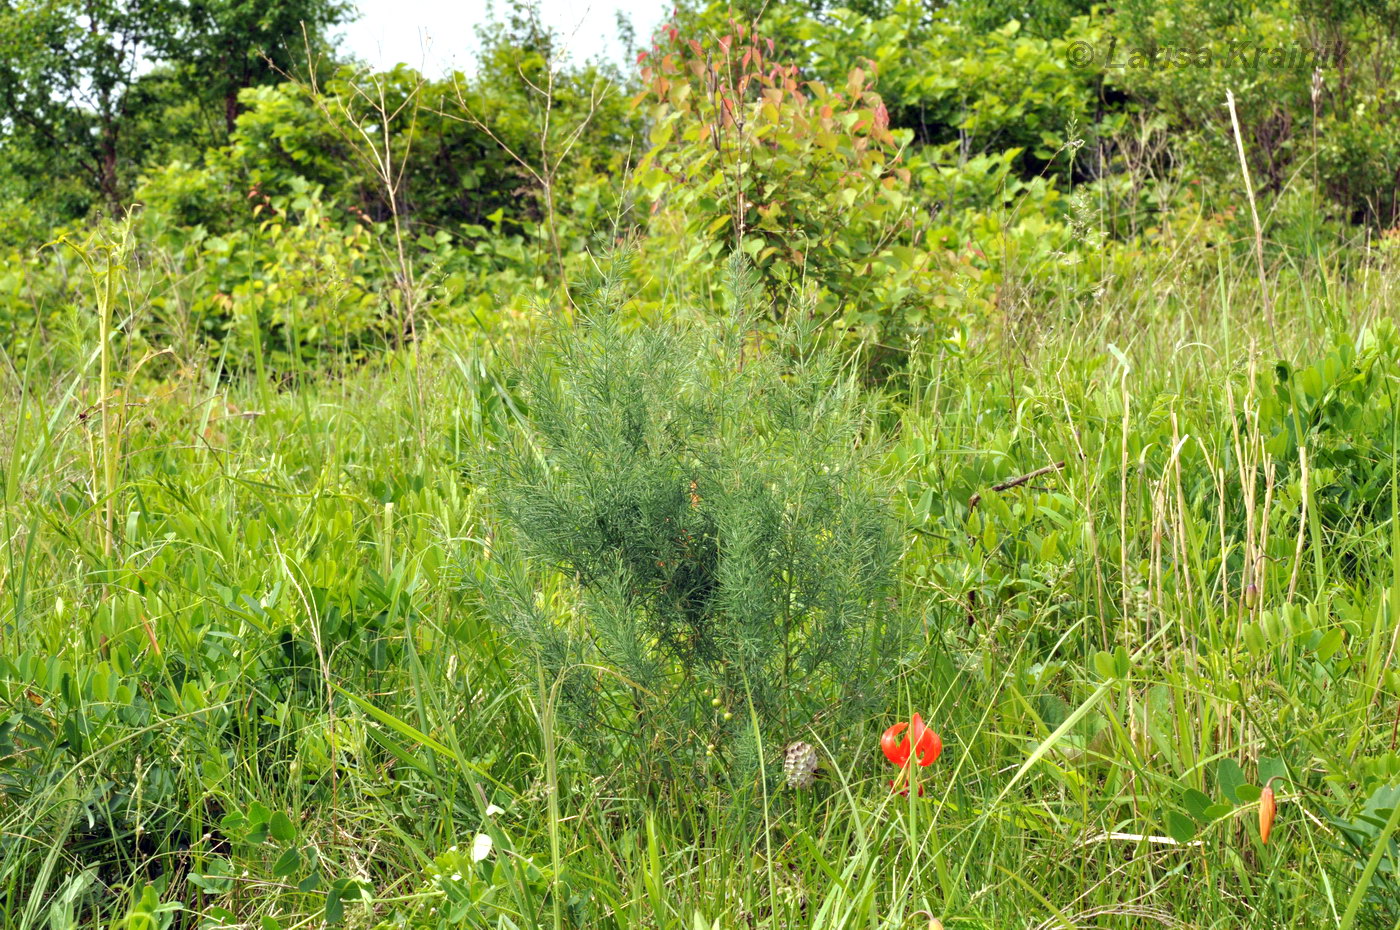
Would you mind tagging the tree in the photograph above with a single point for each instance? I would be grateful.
(233, 44)
(78, 76)
(65, 69)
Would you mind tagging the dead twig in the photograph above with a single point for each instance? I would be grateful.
(1007, 485)
(1016, 482)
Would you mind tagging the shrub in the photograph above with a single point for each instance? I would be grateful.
(1314, 85)
(806, 179)
(705, 494)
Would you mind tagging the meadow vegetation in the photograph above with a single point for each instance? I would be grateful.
(450, 502)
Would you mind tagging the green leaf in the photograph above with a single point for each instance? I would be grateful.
(1271, 767)
(282, 828)
(1180, 827)
(342, 890)
(925, 504)
(1197, 803)
(335, 907)
(1229, 776)
(287, 864)
(1104, 665)
(257, 814)
(1329, 644)
(1055, 736)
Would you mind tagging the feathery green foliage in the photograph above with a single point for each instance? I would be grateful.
(706, 490)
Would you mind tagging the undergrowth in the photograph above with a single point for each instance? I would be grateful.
(248, 678)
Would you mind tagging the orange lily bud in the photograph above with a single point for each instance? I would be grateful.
(1268, 807)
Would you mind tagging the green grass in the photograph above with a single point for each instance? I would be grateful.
(270, 696)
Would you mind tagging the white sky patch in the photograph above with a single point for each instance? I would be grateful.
(438, 36)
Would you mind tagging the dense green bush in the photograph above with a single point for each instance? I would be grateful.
(705, 493)
(989, 90)
(809, 178)
(1314, 87)
(922, 178)
(803, 178)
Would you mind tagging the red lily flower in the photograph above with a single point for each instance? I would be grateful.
(921, 743)
(924, 744)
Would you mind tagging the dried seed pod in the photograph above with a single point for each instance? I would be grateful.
(800, 765)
